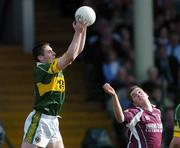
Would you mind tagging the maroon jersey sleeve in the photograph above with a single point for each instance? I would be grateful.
(129, 114)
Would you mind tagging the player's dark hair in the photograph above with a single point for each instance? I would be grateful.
(38, 50)
(130, 89)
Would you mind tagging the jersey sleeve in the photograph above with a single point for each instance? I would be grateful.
(129, 114)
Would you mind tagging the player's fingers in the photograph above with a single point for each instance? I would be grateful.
(86, 24)
(108, 88)
(80, 24)
(105, 86)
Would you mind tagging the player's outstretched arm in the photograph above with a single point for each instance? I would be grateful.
(83, 40)
(76, 46)
(115, 103)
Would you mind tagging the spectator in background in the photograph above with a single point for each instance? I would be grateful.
(111, 65)
(99, 44)
(125, 34)
(165, 64)
(125, 51)
(102, 35)
(159, 22)
(174, 47)
(121, 79)
(157, 98)
(163, 38)
(153, 80)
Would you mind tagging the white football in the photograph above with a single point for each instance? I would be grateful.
(85, 14)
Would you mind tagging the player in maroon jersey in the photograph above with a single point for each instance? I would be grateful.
(143, 120)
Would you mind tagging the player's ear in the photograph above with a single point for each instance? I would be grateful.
(40, 58)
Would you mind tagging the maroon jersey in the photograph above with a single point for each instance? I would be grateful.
(145, 128)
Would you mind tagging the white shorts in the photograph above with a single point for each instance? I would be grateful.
(41, 129)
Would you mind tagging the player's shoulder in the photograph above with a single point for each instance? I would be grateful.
(156, 109)
(132, 110)
(42, 67)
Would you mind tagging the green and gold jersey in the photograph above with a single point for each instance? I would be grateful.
(49, 88)
(177, 122)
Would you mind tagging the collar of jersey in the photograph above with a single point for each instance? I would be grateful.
(38, 63)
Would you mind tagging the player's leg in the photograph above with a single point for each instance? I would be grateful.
(27, 145)
(56, 144)
(27, 126)
(36, 131)
(56, 141)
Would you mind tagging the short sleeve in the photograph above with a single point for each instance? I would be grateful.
(129, 114)
(53, 67)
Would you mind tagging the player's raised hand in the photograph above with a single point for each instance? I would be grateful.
(79, 26)
(108, 89)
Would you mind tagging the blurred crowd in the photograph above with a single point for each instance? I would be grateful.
(110, 57)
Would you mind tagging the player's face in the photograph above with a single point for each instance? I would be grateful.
(49, 54)
(138, 96)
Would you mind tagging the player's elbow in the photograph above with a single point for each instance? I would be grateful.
(119, 118)
(71, 58)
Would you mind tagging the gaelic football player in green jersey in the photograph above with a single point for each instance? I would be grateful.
(175, 142)
(41, 127)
